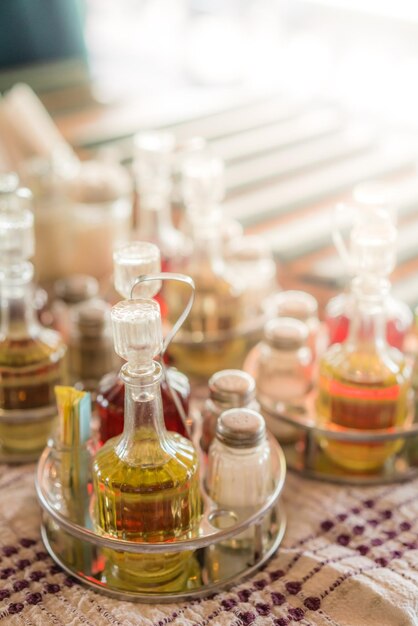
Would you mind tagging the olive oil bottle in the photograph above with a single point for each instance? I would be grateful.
(364, 384)
(31, 356)
(209, 340)
(146, 481)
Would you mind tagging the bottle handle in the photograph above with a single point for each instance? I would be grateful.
(181, 278)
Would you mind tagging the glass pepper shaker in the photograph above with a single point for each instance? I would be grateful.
(228, 389)
(69, 293)
(239, 471)
(282, 365)
(91, 353)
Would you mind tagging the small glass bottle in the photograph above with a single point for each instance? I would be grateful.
(90, 348)
(374, 217)
(228, 389)
(31, 356)
(282, 365)
(210, 338)
(146, 481)
(364, 384)
(154, 157)
(130, 261)
(239, 471)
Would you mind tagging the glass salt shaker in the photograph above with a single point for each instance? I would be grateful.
(283, 370)
(228, 389)
(239, 471)
(302, 306)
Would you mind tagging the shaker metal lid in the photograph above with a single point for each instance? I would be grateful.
(76, 288)
(92, 317)
(297, 304)
(286, 333)
(240, 428)
(232, 386)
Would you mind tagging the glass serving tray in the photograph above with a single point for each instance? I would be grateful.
(221, 558)
(304, 454)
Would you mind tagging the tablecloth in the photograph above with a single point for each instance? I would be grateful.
(349, 558)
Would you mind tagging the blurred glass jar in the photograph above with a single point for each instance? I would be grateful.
(70, 292)
(91, 351)
(282, 365)
(301, 306)
(239, 475)
(228, 389)
(250, 259)
(81, 211)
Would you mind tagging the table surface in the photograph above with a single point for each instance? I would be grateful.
(349, 558)
(350, 554)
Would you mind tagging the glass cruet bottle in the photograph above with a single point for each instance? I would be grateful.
(209, 340)
(154, 155)
(364, 384)
(31, 356)
(371, 208)
(146, 481)
(130, 261)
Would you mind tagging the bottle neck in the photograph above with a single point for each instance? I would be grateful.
(18, 319)
(207, 248)
(368, 321)
(155, 215)
(143, 418)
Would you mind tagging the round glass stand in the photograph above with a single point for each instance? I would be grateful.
(305, 453)
(221, 557)
(201, 354)
(23, 434)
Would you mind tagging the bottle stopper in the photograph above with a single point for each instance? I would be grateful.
(17, 241)
(132, 260)
(137, 331)
(153, 162)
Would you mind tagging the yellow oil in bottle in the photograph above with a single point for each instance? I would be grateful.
(30, 367)
(209, 340)
(145, 502)
(362, 390)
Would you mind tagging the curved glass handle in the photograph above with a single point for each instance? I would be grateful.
(180, 278)
(338, 224)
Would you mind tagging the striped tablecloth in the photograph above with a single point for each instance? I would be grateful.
(349, 558)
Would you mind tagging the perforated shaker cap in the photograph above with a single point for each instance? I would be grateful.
(240, 428)
(286, 333)
(134, 259)
(137, 331)
(17, 241)
(203, 185)
(232, 387)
